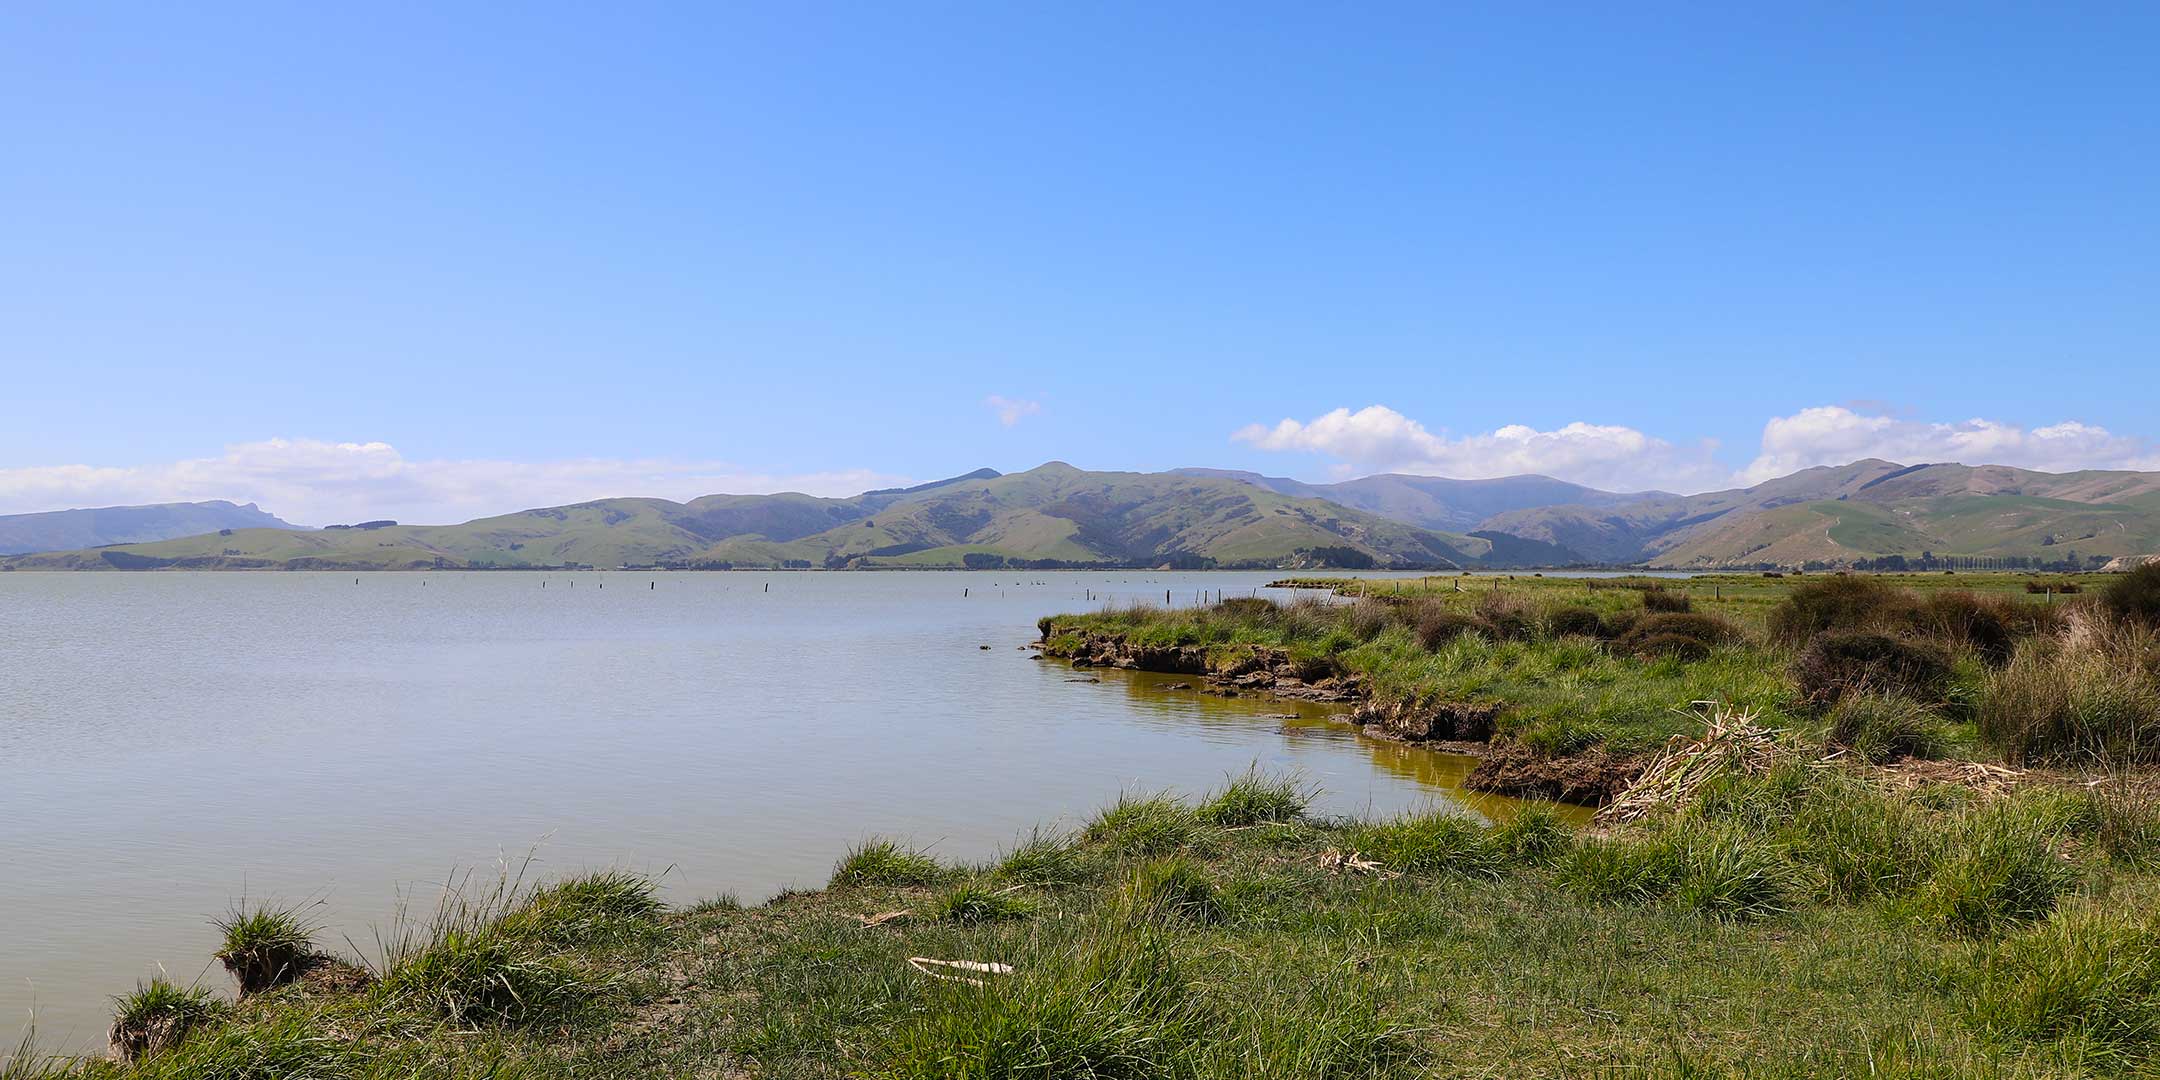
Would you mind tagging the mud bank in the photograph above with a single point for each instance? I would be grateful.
(1504, 767)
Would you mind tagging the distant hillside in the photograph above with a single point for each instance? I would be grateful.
(1052, 515)
(60, 529)
(1927, 515)
(1436, 502)
(1872, 514)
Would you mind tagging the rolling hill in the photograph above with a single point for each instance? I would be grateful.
(1869, 510)
(57, 529)
(1869, 513)
(1052, 515)
(1437, 502)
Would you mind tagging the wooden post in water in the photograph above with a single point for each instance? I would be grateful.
(768, 586)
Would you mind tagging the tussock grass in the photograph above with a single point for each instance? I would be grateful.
(1143, 825)
(1433, 843)
(1256, 799)
(1879, 727)
(160, 1015)
(2086, 979)
(879, 861)
(1045, 861)
(265, 947)
(1998, 870)
(2090, 697)
(1175, 889)
(973, 902)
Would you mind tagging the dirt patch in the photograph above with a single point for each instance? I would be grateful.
(1589, 778)
(1426, 722)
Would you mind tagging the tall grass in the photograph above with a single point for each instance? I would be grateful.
(264, 947)
(879, 861)
(2091, 696)
(1256, 798)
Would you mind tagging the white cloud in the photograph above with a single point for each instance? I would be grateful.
(308, 481)
(1010, 410)
(1834, 435)
(1379, 439)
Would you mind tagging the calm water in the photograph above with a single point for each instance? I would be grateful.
(172, 741)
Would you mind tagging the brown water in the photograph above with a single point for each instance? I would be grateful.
(171, 742)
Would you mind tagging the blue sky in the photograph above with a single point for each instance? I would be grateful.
(443, 259)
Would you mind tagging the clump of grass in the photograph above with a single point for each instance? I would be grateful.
(1661, 634)
(1660, 598)
(1720, 872)
(1840, 663)
(1174, 889)
(1256, 799)
(2089, 978)
(1143, 825)
(2088, 697)
(971, 903)
(484, 957)
(476, 975)
(1431, 843)
(1535, 836)
(1117, 1010)
(1882, 727)
(285, 1048)
(1582, 621)
(879, 861)
(582, 910)
(1439, 625)
(1043, 860)
(159, 1015)
(1998, 870)
(2135, 596)
(1842, 602)
(266, 947)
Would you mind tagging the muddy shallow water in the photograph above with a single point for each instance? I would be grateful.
(174, 741)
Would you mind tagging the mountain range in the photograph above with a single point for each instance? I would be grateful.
(1866, 513)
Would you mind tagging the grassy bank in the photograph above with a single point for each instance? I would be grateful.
(2022, 668)
(1802, 921)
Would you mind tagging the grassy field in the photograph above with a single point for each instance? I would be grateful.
(1807, 921)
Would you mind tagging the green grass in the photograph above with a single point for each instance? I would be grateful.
(266, 947)
(1789, 924)
(879, 861)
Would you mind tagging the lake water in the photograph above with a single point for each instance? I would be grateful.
(170, 742)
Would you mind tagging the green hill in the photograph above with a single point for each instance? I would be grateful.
(1868, 511)
(1055, 514)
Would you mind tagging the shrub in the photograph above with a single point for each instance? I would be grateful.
(1174, 889)
(1878, 728)
(1254, 799)
(970, 903)
(158, 1016)
(2090, 976)
(2083, 699)
(1143, 825)
(1660, 598)
(1843, 602)
(878, 861)
(1998, 870)
(2135, 597)
(266, 947)
(1838, 663)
